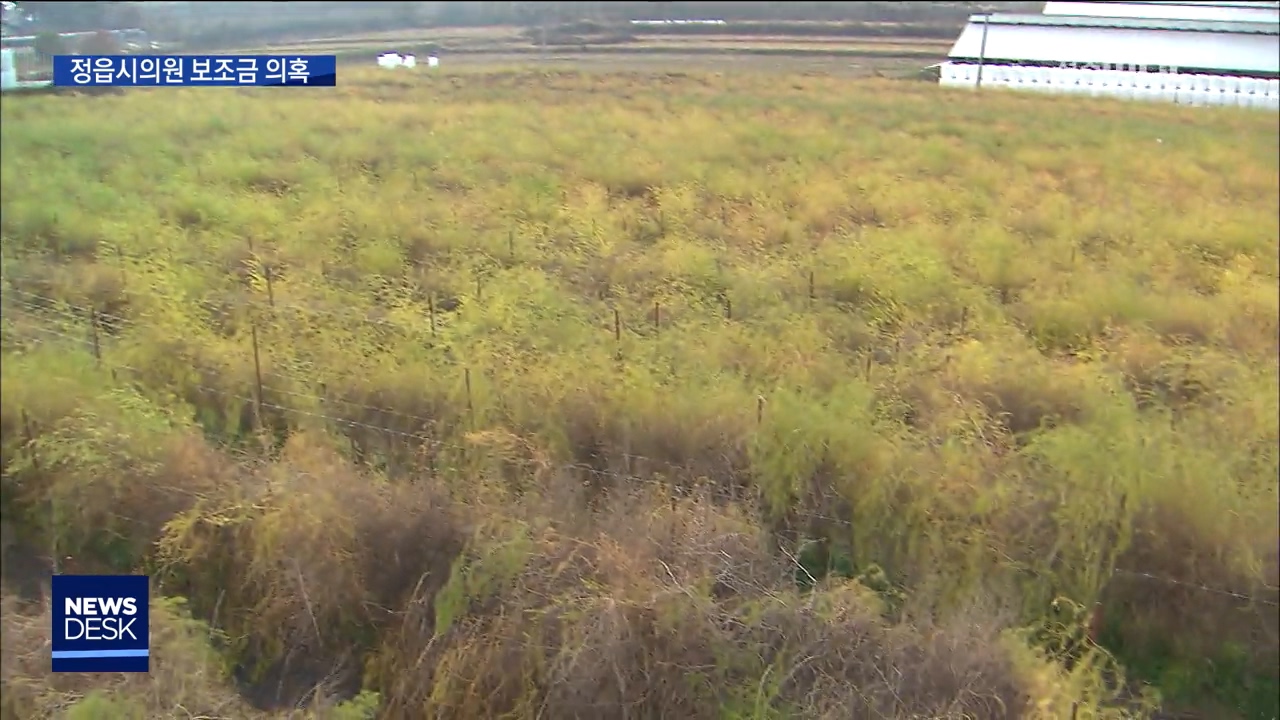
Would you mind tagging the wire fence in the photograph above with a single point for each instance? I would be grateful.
(659, 471)
(813, 286)
(52, 319)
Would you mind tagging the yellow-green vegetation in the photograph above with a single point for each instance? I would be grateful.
(629, 396)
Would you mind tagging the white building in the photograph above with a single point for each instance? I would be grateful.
(1198, 53)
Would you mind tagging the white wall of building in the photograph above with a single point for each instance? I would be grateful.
(1165, 87)
(8, 70)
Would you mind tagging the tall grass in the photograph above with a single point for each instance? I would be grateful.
(1003, 353)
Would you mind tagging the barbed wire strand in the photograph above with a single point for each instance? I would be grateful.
(80, 313)
(628, 457)
(279, 305)
(72, 316)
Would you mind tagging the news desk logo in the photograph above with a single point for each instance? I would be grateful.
(100, 623)
(195, 71)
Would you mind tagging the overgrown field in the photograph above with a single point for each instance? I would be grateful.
(603, 395)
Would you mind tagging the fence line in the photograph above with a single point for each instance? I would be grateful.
(80, 314)
(807, 290)
(418, 437)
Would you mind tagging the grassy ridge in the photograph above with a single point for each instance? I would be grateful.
(980, 352)
(905, 48)
(800, 28)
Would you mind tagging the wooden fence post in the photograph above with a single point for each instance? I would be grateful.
(257, 372)
(93, 331)
(471, 408)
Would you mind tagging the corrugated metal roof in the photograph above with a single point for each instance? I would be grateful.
(1125, 23)
(1189, 3)
(1257, 54)
(1185, 10)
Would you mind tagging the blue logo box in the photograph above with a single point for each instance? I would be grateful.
(195, 70)
(101, 623)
